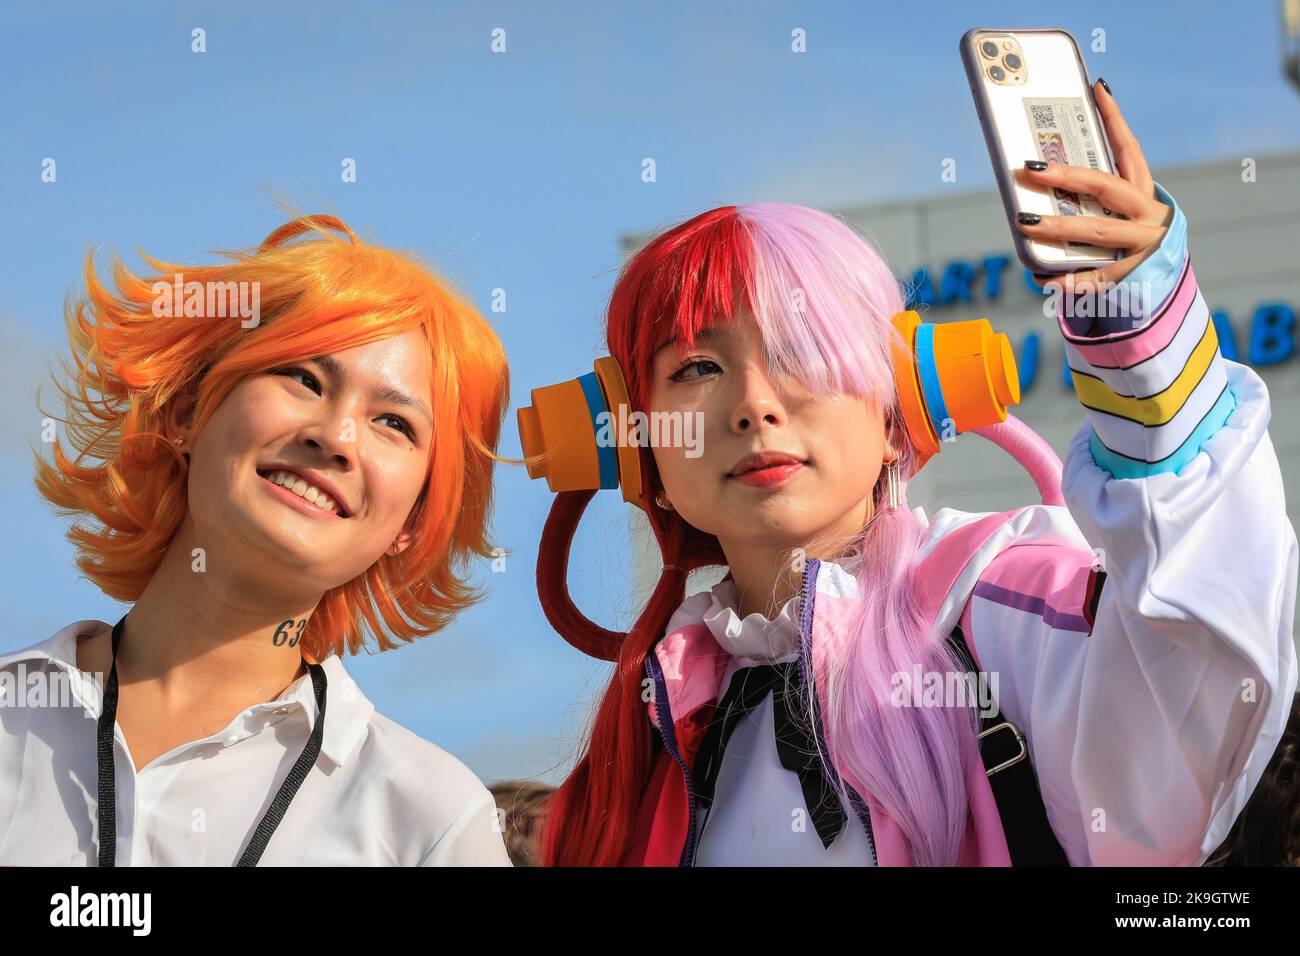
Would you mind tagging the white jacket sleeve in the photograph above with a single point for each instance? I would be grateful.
(1153, 680)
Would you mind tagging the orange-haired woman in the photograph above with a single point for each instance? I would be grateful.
(278, 459)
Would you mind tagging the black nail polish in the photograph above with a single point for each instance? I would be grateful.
(1105, 86)
(1030, 218)
(1035, 164)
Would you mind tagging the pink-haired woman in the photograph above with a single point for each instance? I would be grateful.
(759, 722)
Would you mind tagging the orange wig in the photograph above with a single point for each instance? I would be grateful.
(128, 482)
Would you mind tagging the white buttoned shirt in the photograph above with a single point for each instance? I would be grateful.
(378, 795)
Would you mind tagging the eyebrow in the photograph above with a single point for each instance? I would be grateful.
(383, 393)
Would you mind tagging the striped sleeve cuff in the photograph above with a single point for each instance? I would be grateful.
(1156, 393)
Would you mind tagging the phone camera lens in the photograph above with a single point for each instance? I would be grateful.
(1012, 61)
(995, 71)
(989, 49)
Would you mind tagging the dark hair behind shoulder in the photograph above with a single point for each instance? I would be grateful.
(1267, 833)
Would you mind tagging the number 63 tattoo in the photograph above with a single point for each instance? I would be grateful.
(282, 633)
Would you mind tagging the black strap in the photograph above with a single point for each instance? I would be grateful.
(1030, 839)
(795, 747)
(107, 810)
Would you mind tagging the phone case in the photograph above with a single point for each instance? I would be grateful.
(1052, 117)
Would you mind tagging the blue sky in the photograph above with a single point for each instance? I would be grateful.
(521, 171)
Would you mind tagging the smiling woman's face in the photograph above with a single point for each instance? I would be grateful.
(339, 426)
(836, 444)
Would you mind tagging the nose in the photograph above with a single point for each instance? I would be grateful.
(758, 401)
(333, 434)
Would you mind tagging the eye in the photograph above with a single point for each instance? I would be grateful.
(402, 425)
(298, 372)
(696, 363)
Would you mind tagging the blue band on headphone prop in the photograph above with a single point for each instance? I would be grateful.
(606, 455)
(929, 375)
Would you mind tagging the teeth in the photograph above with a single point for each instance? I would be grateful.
(303, 490)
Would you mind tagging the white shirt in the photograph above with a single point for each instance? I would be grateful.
(378, 795)
(759, 816)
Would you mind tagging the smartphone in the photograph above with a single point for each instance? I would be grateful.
(1034, 100)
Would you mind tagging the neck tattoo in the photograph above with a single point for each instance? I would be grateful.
(289, 632)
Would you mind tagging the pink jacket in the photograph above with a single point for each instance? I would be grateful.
(688, 665)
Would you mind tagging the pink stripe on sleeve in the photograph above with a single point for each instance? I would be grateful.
(1123, 349)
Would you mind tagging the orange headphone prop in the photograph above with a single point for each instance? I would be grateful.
(952, 377)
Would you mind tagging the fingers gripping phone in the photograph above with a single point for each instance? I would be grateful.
(1034, 101)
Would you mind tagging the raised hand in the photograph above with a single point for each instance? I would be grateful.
(1131, 192)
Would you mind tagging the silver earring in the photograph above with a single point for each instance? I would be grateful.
(659, 500)
(894, 484)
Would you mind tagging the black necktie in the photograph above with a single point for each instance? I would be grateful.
(794, 741)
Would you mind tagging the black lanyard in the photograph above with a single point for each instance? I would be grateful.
(274, 814)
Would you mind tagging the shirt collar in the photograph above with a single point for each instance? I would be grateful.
(347, 716)
(347, 711)
(755, 637)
